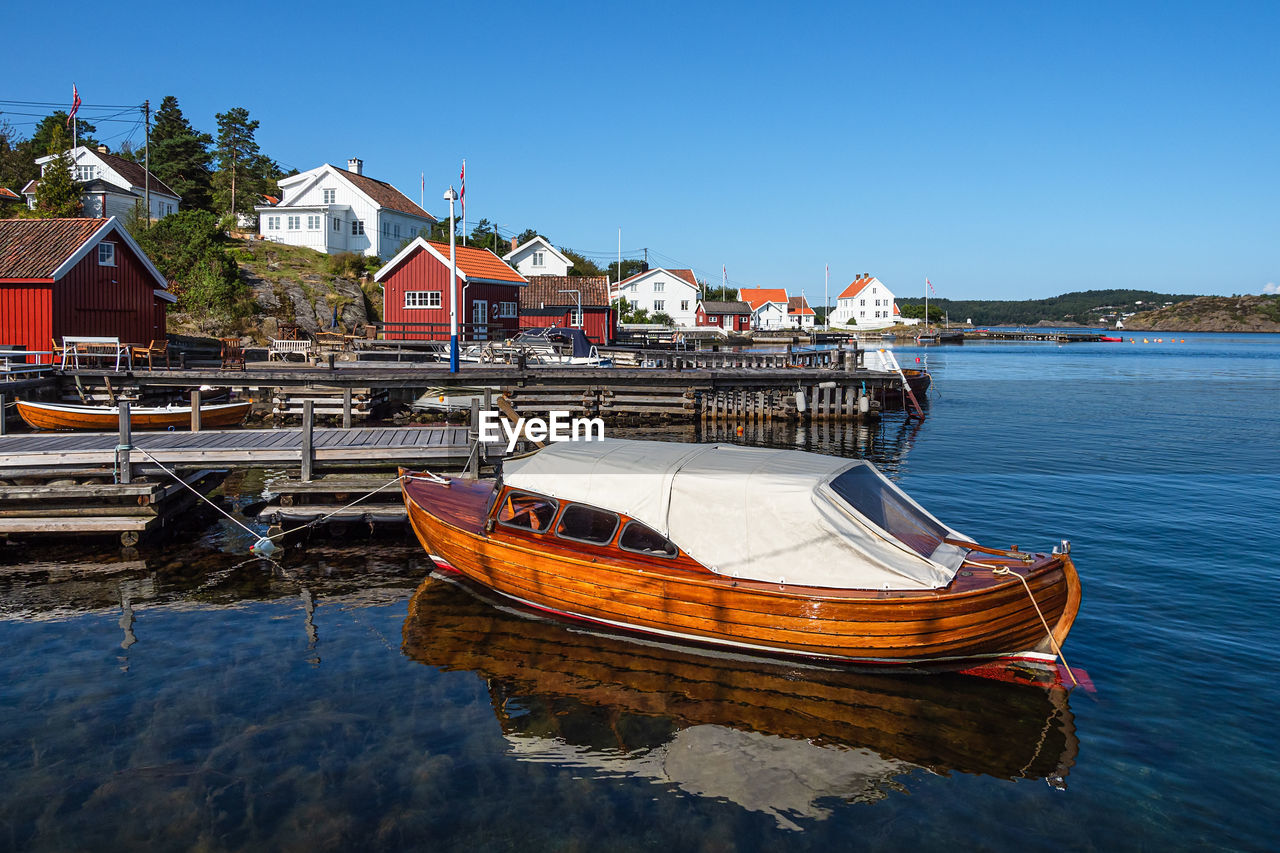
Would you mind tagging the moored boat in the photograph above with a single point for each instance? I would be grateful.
(777, 552)
(58, 416)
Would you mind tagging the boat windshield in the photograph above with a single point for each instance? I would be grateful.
(868, 493)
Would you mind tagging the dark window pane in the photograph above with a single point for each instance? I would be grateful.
(588, 524)
(532, 512)
(863, 489)
(645, 540)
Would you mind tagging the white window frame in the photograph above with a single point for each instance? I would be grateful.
(508, 309)
(313, 222)
(329, 196)
(85, 174)
(273, 223)
(575, 317)
(106, 254)
(658, 303)
(422, 299)
(684, 304)
(539, 258)
(293, 222)
(357, 227)
(659, 286)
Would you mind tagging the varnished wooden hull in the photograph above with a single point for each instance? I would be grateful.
(105, 419)
(978, 616)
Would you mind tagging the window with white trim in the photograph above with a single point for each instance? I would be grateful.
(575, 316)
(538, 259)
(294, 223)
(658, 303)
(508, 309)
(386, 229)
(84, 174)
(313, 222)
(357, 227)
(422, 299)
(273, 223)
(684, 304)
(106, 254)
(329, 196)
(659, 286)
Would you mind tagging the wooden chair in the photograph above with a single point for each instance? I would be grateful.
(155, 350)
(232, 354)
(59, 353)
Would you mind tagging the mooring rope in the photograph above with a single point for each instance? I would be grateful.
(1005, 570)
(262, 545)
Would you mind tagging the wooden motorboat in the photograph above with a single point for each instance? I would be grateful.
(593, 685)
(59, 416)
(775, 552)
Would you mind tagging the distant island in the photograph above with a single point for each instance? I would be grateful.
(1080, 308)
(1212, 314)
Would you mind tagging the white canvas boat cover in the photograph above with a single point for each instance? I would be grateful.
(783, 516)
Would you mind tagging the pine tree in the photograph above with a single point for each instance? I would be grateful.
(57, 194)
(180, 156)
(237, 153)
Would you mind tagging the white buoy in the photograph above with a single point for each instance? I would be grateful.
(264, 547)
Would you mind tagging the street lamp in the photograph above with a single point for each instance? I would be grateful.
(577, 293)
(451, 196)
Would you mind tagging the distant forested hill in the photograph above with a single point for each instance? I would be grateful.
(1088, 307)
(1213, 314)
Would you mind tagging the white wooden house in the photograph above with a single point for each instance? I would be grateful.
(110, 185)
(538, 257)
(673, 292)
(336, 210)
(865, 303)
(768, 306)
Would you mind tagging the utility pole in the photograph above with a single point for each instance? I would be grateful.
(146, 181)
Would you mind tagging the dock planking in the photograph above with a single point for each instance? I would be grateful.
(239, 448)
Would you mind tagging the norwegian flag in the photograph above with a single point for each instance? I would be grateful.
(75, 104)
(462, 196)
(934, 292)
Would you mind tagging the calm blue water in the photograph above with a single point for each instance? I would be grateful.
(186, 698)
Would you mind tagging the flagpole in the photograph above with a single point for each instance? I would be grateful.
(826, 302)
(463, 196)
(453, 289)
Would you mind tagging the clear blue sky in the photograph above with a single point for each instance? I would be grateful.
(1004, 150)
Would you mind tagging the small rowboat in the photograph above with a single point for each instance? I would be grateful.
(774, 552)
(107, 418)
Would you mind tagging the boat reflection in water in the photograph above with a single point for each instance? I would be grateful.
(772, 737)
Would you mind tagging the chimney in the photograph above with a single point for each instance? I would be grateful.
(513, 244)
(102, 149)
(355, 164)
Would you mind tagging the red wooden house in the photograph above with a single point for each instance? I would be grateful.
(79, 277)
(578, 301)
(416, 294)
(730, 316)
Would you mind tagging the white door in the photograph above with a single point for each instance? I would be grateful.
(480, 317)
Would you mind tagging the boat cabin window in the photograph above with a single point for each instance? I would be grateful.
(529, 512)
(645, 540)
(587, 524)
(868, 493)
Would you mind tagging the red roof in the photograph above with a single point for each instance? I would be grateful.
(35, 248)
(855, 287)
(384, 194)
(798, 305)
(479, 263)
(5, 192)
(758, 296)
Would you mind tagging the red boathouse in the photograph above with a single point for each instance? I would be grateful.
(416, 294)
(569, 302)
(77, 277)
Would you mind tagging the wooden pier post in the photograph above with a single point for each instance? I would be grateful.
(308, 423)
(1, 414)
(124, 446)
(195, 410)
(473, 440)
(346, 408)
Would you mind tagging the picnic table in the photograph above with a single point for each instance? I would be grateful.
(89, 348)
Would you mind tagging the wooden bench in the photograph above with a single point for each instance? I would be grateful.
(157, 349)
(283, 349)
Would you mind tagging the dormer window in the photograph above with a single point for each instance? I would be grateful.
(106, 254)
(537, 259)
(330, 196)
